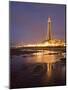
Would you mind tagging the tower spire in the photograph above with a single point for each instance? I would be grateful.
(49, 35)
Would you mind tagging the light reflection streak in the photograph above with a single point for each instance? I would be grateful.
(49, 59)
(49, 70)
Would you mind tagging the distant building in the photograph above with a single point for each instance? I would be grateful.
(49, 39)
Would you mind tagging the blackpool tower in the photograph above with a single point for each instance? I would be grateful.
(49, 32)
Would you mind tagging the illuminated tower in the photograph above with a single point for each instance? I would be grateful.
(49, 33)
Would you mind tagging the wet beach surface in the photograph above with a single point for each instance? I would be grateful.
(38, 69)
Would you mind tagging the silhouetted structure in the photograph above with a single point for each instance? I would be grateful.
(49, 32)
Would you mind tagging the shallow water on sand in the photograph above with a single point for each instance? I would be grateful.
(43, 68)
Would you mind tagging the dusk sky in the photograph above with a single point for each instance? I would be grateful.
(28, 22)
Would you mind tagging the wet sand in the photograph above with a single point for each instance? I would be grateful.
(36, 75)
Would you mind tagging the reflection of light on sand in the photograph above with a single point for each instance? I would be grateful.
(46, 57)
(49, 58)
(49, 69)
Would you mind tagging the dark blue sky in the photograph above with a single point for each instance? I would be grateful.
(28, 21)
